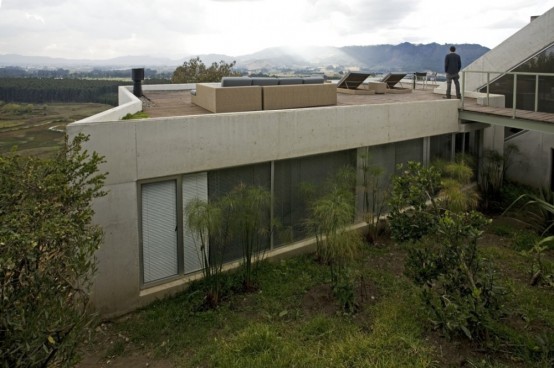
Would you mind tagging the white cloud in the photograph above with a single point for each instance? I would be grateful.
(177, 28)
(35, 17)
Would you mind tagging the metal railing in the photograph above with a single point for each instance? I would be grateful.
(501, 74)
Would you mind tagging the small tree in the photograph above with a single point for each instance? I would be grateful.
(375, 194)
(205, 220)
(195, 71)
(47, 245)
(337, 246)
(247, 212)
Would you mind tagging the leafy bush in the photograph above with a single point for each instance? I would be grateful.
(456, 193)
(536, 210)
(16, 109)
(524, 240)
(541, 273)
(410, 217)
(47, 245)
(457, 285)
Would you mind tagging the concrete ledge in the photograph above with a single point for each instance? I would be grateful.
(128, 104)
(493, 100)
(168, 87)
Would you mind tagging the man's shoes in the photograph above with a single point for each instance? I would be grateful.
(446, 97)
(459, 97)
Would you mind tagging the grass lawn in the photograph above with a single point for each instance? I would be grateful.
(39, 129)
(294, 321)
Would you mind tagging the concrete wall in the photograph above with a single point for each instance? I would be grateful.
(128, 104)
(533, 165)
(152, 148)
(527, 42)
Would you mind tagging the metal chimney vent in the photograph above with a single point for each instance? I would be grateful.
(138, 76)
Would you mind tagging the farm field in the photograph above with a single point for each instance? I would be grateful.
(39, 129)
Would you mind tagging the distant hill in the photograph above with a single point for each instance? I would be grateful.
(375, 58)
(410, 57)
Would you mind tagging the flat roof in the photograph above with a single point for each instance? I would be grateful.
(178, 103)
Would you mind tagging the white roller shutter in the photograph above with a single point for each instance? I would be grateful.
(194, 186)
(159, 230)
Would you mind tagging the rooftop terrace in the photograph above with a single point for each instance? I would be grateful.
(178, 103)
(168, 103)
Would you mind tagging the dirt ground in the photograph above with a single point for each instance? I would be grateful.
(101, 351)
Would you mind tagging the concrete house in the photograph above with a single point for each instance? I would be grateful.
(183, 151)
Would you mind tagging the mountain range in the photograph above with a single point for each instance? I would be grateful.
(376, 58)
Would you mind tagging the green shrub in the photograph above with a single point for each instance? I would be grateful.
(457, 285)
(16, 109)
(456, 193)
(136, 115)
(411, 217)
(536, 210)
(511, 191)
(47, 245)
(524, 240)
(541, 271)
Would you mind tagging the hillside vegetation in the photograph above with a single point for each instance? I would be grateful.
(38, 129)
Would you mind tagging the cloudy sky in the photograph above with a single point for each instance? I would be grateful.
(101, 29)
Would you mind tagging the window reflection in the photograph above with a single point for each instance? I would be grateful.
(525, 99)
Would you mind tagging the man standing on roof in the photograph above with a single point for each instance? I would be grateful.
(452, 66)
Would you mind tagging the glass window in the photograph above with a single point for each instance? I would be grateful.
(290, 177)
(411, 150)
(441, 147)
(194, 186)
(525, 99)
(222, 182)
